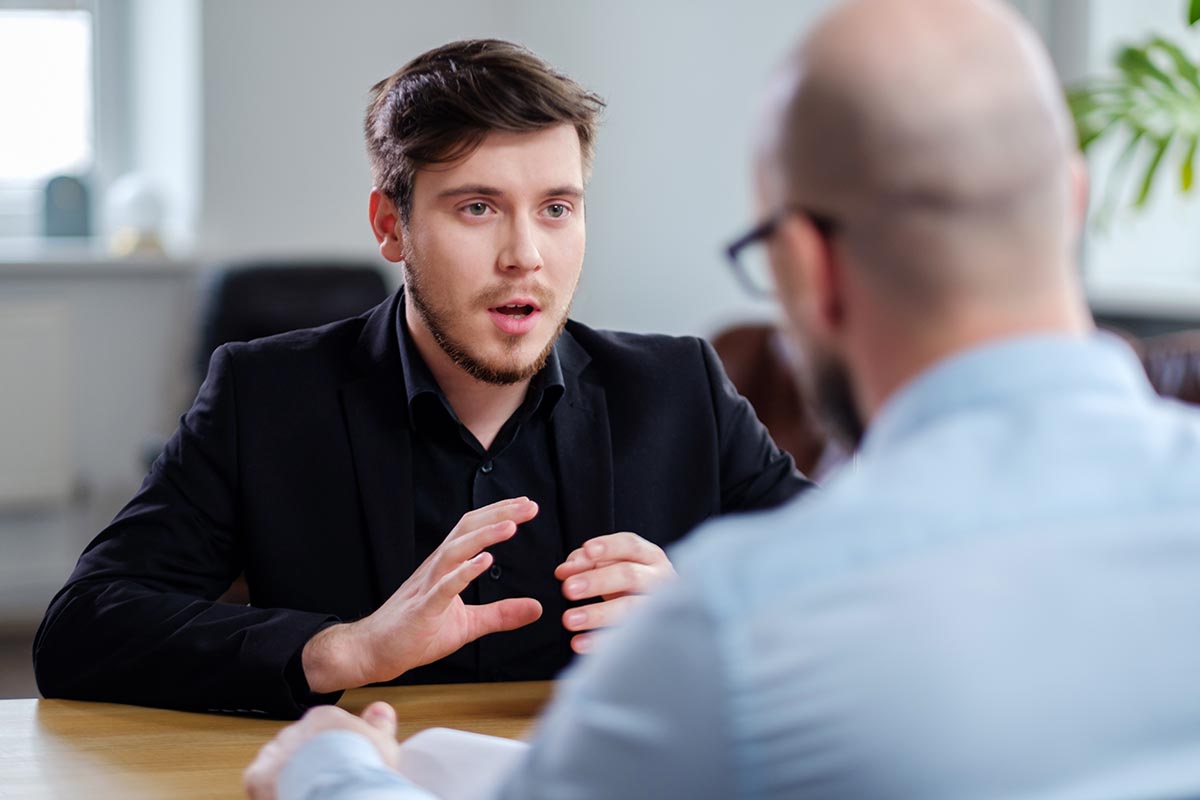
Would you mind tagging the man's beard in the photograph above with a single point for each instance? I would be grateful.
(832, 394)
(440, 323)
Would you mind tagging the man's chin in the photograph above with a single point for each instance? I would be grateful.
(512, 365)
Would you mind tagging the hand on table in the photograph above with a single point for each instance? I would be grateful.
(425, 619)
(378, 724)
(616, 568)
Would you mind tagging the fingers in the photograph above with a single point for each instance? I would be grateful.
(258, 780)
(452, 553)
(621, 578)
(382, 717)
(599, 615)
(517, 510)
(480, 529)
(503, 615)
(623, 546)
(574, 564)
(582, 643)
(456, 580)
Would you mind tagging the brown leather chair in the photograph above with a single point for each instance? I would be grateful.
(757, 363)
(1172, 363)
(756, 360)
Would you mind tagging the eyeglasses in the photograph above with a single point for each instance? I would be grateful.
(748, 255)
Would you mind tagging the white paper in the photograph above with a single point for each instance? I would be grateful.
(457, 765)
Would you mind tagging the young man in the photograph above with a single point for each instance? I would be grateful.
(460, 461)
(1002, 598)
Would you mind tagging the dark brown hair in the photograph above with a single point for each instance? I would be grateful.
(438, 108)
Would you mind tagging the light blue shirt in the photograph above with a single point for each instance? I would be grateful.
(1001, 599)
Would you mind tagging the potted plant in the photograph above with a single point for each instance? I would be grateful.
(1152, 103)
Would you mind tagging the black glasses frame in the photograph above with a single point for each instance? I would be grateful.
(826, 225)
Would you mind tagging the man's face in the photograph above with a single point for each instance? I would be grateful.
(494, 248)
(822, 372)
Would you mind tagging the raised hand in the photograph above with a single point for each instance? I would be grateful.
(616, 568)
(425, 619)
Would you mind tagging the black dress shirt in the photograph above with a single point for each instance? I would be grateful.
(453, 474)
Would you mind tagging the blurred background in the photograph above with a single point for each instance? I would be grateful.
(146, 146)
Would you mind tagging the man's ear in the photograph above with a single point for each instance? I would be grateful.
(814, 285)
(385, 224)
(829, 283)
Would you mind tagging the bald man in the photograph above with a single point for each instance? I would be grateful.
(1003, 598)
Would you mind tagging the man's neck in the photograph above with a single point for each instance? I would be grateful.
(886, 366)
(482, 407)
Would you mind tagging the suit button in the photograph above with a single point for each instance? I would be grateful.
(495, 572)
(487, 467)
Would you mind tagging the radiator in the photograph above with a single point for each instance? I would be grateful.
(35, 402)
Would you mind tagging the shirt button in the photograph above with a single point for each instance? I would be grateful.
(495, 572)
(487, 467)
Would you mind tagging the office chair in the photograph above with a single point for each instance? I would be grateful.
(250, 300)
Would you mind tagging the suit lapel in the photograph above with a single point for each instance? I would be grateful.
(374, 406)
(583, 447)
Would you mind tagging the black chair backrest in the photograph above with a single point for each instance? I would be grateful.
(247, 301)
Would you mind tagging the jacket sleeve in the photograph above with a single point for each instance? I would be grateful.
(755, 474)
(138, 621)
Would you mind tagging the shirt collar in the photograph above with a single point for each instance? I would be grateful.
(544, 390)
(1007, 371)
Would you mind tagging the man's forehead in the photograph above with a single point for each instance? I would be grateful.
(516, 163)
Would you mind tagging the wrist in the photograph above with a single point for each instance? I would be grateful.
(331, 660)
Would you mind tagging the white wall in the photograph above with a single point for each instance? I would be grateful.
(285, 86)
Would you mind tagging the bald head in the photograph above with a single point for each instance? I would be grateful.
(936, 132)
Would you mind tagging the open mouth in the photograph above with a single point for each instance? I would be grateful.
(514, 310)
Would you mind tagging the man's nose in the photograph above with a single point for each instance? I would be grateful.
(520, 251)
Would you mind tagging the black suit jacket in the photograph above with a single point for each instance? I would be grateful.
(294, 466)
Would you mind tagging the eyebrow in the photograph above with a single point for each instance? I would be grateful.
(483, 190)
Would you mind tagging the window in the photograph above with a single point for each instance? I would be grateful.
(46, 84)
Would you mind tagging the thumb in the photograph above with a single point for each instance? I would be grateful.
(502, 615)
(382, 717)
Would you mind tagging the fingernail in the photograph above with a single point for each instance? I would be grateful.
(576, 618)
(576, 586)
(594, 549)
(583, 644)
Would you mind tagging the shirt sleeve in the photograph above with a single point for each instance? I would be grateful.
(138, 620)
(343, 765)
(645, 716)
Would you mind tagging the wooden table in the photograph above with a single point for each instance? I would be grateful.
(71, 749)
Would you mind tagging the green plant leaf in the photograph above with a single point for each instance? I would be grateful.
(1116, 179)
(1137, 65)
(1183, 65)
(1187, 173)
(1091, 136)
(1160, 149)
(1152, 103)
(1194, 13)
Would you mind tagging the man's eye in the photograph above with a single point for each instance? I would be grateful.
(477, 209)
(556, 211)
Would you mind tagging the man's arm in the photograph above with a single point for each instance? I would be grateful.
(755, 474)
(137, 621)
(645, 717)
